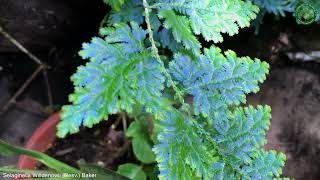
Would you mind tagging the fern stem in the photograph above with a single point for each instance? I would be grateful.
(178, 92)
(168, 76)
(155, 52)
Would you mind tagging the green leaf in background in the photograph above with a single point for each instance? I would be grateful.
(141, 142)
(7, 150)
(13, 169)
(115, 4)
(137, 110)
(151, 171)
(132, 171)
(143, 150)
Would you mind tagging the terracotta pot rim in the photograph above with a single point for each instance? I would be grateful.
(41, 140)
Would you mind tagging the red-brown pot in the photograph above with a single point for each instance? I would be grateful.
(41, 140)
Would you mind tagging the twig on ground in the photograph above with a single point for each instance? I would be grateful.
(19, 46)
(49, 93)
(124, 122)
(65, 151)
(21, 89)
(42, 67)
(115, 124)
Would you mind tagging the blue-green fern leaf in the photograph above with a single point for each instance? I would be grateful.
(184, 153)
(239, 135)
(217, 81)
(213, 17)
(180, 153)
(212, 137)
(131, 11)
(128, 39)
(120, 74)
(180, 28)
(165, 37)
(265, 165)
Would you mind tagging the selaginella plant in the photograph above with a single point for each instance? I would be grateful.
(148, 61)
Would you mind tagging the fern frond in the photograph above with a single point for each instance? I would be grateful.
(213, 17)
(129, 39)
(210, 138)
(183, 152)
(180, 27)
(240, 138)
(180, 153)
(120, 74)
(265, 165)
(217, 81)
(165, 37)
(239, 135)
(132, 11)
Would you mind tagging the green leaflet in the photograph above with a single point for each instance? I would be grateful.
(132, 171)
(141, 142)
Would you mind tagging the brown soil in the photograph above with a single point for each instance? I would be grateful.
(101, 145)
(294, 95)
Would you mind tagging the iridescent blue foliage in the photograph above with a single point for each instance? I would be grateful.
(217, 81)
(212, 137)
(120, 74)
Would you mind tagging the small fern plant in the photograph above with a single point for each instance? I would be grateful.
(147, 61)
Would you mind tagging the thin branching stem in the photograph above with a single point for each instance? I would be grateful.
(155, 52)
(168, 76)
(177, 91)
